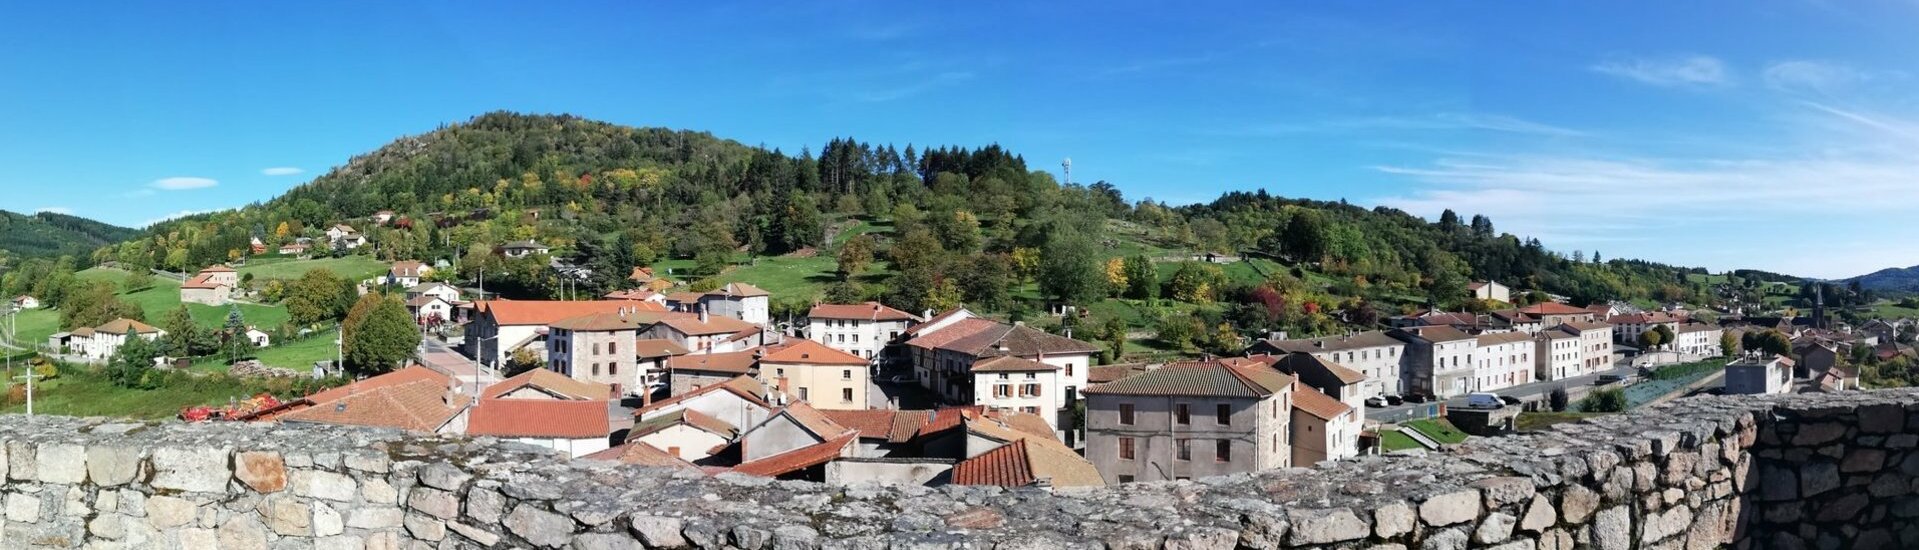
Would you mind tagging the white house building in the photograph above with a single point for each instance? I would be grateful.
(1556, 354)
(1011, 383)
(1372, 353)
(522, 249)
(1490, 290)
(739, 301)
(1439, 359)
(26, 302)
(1323, 428)
(864, 329)
(1503, 360)
(102, 342)
(407, 273)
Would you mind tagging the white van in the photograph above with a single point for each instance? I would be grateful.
(1482, 400)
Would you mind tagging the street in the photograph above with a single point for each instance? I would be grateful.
(1536, 391)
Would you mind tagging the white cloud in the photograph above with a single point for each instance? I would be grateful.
(1680, 71)
(55, 209)
(178, 183)
(281, 171)
(1437, 122)
(1822, 77)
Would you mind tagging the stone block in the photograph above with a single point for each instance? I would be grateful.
(1612, 529)
(378, 491)
(287, 516)
(242, 532)
(425, 528)
(326, 520)
(202, 470)
(1540, 515)
(374, 518)
(613, 541)
(264, 472)
(434, 502)
(1450, 508)
(322, 485)
(443, 476)
(659, 532)
(539, 526)
(1503, 491)
(112, 466)
(1326, 526)
(1394, 519)
(165, 512)
(1496, 528)
(479, 536)
(20, 461)
(63, 463)
(23, 508)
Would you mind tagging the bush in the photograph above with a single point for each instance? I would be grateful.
(1608, 400)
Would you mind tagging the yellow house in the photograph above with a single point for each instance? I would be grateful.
(824, 377)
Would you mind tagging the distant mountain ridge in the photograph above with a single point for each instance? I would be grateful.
(47, 234)
(1891, 279)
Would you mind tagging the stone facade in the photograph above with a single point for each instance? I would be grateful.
(1791, 471)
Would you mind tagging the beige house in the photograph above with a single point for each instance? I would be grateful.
(689, 372)
(1503, 360)
(1190, 420)
(944, 358)
(824, 377)
(1490, 290)
(1595, 345)
(211, 286)
(596, 348)
(1323, 428)
(1556, 355)
(1008, 383)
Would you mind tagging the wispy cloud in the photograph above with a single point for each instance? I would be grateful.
(180, 183)
(1679, 71)
(923, 85)
(1823, 77)
(1437, 122)
(55, 209)
(281, 171)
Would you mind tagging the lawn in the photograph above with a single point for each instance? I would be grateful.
(1392, 440)
(354, 268)
(1536, 421)
(296, 355)
(90, 394)
(36, 325)
(1439, 429)
(787, 277)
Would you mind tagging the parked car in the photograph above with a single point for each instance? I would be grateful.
(1375, 402)
(1483, 400)
(898, 379)
(1395, 400)
(1417, 398)
(1605, 379)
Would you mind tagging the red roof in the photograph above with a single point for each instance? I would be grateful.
(797, 459)
(545, 312)
(202, 281)
(871, 423)
(539, 418)
(553, 383)
(1006, 466)
(869, 311)
(407, 268)
(960, 329)
(1553, 308)
(641, 454)
(801, 351)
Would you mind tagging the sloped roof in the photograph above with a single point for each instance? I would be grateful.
(1008, 363)
(634, 294)
(407, 268)
(868, 311)
(743, 386)
(959, 329)
(800, 351)
(422, 405)
(423, 300)
(1022, 463)
(688, 417)
(1322, 406)
(1553, 308)
(1585, 326)
(738, 290)
(649, 348)
(870, 423)
(1009, 427)
(1208, 378)
(691, 325)
(423, 288)
(1698, 327)
(546, 312)
(554, 383)
(202, 281)
(1556, 333)
(539, 418)
(641, 454)
(1296, 362)
(1368, 339)
(797, 459)
(1437, 333)
(736, 362)
(600, 322)
(1498, 338)
(940, 420)
(124, 325)
(813, 420)
(1020, 340)
(217, 268)
(915, 330)
(1107, 373)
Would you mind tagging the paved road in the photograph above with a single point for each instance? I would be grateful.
(1537, 391)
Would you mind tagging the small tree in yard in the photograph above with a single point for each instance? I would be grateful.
(1666, 335)
(1650, 339)
(1610, 400)
(237, 346)
(1557, 399)
(1728, 344)
(378, 334)
(132, 362)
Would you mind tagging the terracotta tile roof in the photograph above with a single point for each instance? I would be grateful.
(813, 420)
(1108, 373)
(684, 297)
(651, 348)
(124, 325)
(800, 351)
(1368, 339)
(407, 268)
(1022, 463)
(1008, 363)
(539, 418)
(554, 383)
(930, 321)
(688, 417)
(1320, 405)
(691, 325)
(1297, 362)
(797, 459)
(869, 311)
(641, 454)
(871, 424)
(906, 424)
(743, 386)
(959, 329)
(1497, 338)
(738, 290)
(641, 274)
(735, 362)
(546, 312)
(941, 420)
(1553, 308)
(605, 321)
(1010, 427)
(202, 281)
(417, 406)
(1209, 378)
(1014, 340)
(635, 294)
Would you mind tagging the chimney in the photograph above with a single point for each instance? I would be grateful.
(1069, 332)
(928, 314)
(702, 312)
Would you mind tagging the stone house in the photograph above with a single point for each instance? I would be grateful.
(1323, 428)
(597, 348)
(739, 301)
(703, 333)
(1190, 420)
(211, 286)
(946, 357)
(500, 327)
(689, 372)
(1595, 345)
(826, 378)
(1009, 383)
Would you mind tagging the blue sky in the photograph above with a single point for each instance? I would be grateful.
(1772, 134)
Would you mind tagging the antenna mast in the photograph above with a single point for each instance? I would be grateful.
(1066, 170)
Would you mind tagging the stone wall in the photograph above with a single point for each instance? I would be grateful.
(1821, 471)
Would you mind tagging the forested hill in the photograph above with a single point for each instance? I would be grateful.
(943, 225)
(48, 234)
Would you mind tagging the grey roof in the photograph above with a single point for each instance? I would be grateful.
(1368, 339)
(1203, 379)
(1439, 333)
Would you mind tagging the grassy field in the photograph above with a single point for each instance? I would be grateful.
(1439, 429)
(354, 268)
(1392, 440)
(1887, 309)
(1535, 421)
(90, 394)
(36, 325)
(297, 355)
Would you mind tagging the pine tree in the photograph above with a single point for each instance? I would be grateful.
(237, 345)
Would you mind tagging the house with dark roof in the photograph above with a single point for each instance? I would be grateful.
(867, 329)
(1190, 420)
(1332, 379)
(1372, 353)
(691, 371)
(947, 360)
(1439, 359)
(739, 301)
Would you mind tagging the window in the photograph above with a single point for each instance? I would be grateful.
(1223, 413)
(1069, 368)
(1181, 415)
(1185, 450)
(846, 395)
(1125, 448)
(612, 348)
(596, 369)
(1275, 443)
(1029, 410)
(1125, 479)
(596, 348)
(846, 374)
(802, 394)
(1223, 450)
(1029, 390)
(613, 369)
(1002, 390)
(1126, 414)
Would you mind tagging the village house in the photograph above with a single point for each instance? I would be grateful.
(294, 249)
(1372, 353)
(212, 286)
(827, 378)
(638, 294)
(944, 358)
(544, 409)
(1812, 356)
(699, 423)
(1886, 331)
(522, 249)
(433, 301)
(501, 327)
(739, 301)
(1323, 428)
(1552, 314)
(1328, 377)
(381, 217)
(703, 333)
(259, 338)
(1515, 321)
(597, 348)
(1696, 339)
(866, 330)
(415, 399)
(1557, 354)
(1008, 383)
(1628, 327)
(102, 342)
(1502, 360)
(1490, 290)
(407, 273)
(1595, 345)
(1438, 360)
(1752, 375)
(795, 442)
(687, 373)
(651, 358)
(1190, 420)
(644, 277)
(343, 236)
(28, 302)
